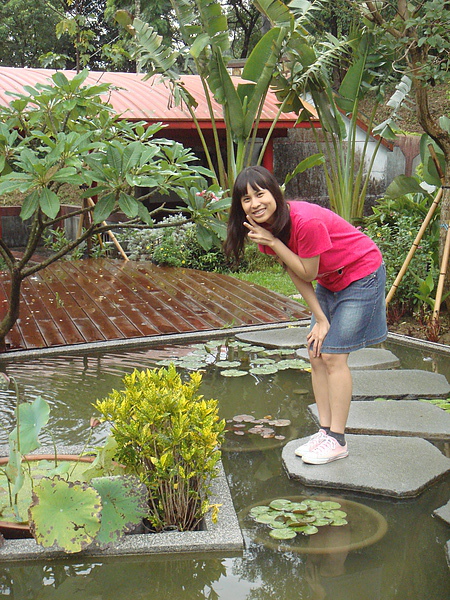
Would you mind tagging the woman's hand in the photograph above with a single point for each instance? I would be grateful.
(259, 234)
(316, 336)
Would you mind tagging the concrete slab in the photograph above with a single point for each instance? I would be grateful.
(397, 417)
(223, 536)
(396, 467)
(367, 358)
(443, 512)
(404, 383)
(288, 337)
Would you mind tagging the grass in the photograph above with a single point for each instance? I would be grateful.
(273, 278)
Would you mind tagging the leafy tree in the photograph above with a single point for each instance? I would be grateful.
(419, 33)
(246, 26)
(27, 30)
(206, 37)
(349, 162)
(63, 134)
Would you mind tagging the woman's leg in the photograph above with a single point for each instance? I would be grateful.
(332, 386)
(339, 389)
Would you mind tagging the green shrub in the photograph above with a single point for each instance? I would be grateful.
(56, 239)
(173, 246)
(168, 435)
(394, 227)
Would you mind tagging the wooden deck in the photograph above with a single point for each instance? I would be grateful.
(96, 300)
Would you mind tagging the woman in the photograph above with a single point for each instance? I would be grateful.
(347, 305)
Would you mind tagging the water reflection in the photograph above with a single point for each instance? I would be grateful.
(407, 564)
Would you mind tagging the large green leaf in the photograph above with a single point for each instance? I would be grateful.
(104, 208)
(275, 10)
(30, 205)
(403, 185)
(31, 418)
(64, 514)
(311, 161)
(49, 203)
(125, 504)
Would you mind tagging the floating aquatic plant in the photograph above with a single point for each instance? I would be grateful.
(286, 518)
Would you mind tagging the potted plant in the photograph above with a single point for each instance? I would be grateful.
(168, 436)
(65, 503)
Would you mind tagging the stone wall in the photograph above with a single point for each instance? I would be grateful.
(400, 158)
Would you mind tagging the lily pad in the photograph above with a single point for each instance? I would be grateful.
(282, 534)
(280, 504)
(263, 361)
(280, 423)
(339, 523)
(259, 510)
(228, 364)
(327, 505)
(264, 370)
(254, 349)
(233, 373)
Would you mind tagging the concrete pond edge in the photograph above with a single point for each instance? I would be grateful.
(223, 536)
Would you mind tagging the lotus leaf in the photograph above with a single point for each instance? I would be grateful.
(309, 530)
(280, 423)
(339, 522)
(322, 522)
(65, 514)
(228, 364)
(267, 518)
(280, 504)
(32, 416)
(277, 524)
(309, 518)
(243, 418)
(338, 514)
(233, 373)
(264, 370)
(282, 534)
(259, 510)
(327, 505)
(124, 501)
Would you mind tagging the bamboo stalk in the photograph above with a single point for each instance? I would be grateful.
(111, 235)
(414, 246)
(442, 275)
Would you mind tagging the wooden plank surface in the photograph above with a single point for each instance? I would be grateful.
(99, 299)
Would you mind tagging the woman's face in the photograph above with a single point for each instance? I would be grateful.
(259, 204)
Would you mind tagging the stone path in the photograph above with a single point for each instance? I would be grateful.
(389, 451)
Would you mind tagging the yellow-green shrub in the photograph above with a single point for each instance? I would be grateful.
(169, 436)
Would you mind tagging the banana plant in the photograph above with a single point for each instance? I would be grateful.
(204, 31)
(348, 167)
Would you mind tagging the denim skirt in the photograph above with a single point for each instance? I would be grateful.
(357, 314)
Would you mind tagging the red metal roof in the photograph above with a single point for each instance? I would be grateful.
(150, 100)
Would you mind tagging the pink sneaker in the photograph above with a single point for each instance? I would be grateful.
(314, 441)
(329, 450)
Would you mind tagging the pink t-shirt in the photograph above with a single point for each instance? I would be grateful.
(346, 254)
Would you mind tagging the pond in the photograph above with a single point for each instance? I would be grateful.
(408, 563)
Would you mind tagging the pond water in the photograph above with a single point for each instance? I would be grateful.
(408, 563)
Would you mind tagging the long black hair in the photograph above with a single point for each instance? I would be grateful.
(258, 178)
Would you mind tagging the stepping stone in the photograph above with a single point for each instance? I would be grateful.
(404, 383)
(396, 467)
(289, 337)
(397, 417)
(367, 358)
(443, 512)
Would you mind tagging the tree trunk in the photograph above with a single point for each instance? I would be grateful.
(12, 314)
